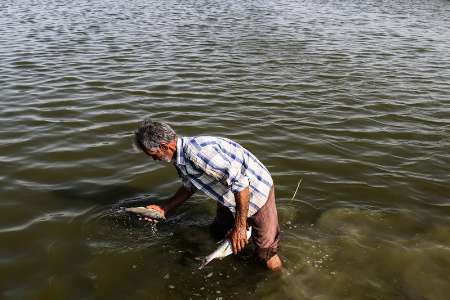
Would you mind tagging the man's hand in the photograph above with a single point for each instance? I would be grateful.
(238, 237)
(157, 208)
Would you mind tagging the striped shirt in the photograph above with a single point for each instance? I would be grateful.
(220, 167)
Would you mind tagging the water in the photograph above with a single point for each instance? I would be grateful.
(351, 96)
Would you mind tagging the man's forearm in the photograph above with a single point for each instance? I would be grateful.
(242, 199)
(176, 200)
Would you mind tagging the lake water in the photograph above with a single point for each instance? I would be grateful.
(350, 96)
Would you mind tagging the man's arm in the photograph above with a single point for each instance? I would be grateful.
(238, 235)
(176, 200)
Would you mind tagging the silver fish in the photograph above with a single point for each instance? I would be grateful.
(148, 212)
(225, 248)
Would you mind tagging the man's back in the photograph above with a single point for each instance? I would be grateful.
(219, 167)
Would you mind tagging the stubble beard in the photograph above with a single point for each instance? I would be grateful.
(167, 159)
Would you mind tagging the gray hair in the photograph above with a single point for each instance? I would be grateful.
(150, 135)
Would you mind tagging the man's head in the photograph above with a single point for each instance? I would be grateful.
(156, 139)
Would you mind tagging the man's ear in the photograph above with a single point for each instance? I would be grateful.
(172, 145)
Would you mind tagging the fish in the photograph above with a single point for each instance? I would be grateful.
(225, 248)
(148, 212)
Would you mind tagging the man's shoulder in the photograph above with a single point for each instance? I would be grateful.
(197, 143)
(205, 147)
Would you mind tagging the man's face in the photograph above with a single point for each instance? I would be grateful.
(158, 154)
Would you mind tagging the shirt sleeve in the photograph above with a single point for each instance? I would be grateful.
(186, 182)
(216, 164)
(188, 185)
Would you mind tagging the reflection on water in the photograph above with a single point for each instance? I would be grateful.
(351, 96)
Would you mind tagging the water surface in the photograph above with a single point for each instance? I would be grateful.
(351, 96)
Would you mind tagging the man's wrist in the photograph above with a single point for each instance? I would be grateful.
(164, 207)
(239, 224)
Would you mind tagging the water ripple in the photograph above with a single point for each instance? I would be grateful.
(351, 96)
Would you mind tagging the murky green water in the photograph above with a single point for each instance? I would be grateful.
(352, 96)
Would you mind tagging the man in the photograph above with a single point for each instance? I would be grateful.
(226, 172)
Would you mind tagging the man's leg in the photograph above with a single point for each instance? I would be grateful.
(266, 233)
(274, 263)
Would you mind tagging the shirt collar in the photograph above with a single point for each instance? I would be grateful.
(180, 152)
